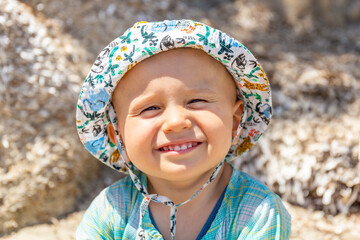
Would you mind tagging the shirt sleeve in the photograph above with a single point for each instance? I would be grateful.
(270, 221)
(97, 222)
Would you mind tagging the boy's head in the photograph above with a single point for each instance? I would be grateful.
(177, 113)
(197, 67)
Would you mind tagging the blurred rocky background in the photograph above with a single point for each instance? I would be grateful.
(309, 156)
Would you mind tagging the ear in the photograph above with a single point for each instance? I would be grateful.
(112, 137)
(238, 111)
(111, 132)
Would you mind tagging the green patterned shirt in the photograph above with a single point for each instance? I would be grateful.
(249, 210)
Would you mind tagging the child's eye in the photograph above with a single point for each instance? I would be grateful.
(150, 108)
(197, 103)
(149, 112)
(196, 100)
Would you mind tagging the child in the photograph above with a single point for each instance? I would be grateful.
(172, 103)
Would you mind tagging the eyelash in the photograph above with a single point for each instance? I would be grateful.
(152, 108)
(197, 100)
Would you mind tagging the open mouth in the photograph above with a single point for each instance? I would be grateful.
(179, 147)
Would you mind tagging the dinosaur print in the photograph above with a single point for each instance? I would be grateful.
(244, 146)
(239, 62)
(255, 86)
(96, 145)
(167, 43)
(96, 101)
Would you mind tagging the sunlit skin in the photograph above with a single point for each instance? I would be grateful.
(177, 113)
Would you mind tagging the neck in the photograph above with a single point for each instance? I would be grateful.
(180, 191)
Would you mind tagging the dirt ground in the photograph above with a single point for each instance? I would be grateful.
(306, 225)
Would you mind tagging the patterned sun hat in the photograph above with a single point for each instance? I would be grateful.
(144, 39)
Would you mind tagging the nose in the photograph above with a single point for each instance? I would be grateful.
(176, 119)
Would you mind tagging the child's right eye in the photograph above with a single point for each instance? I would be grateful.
(149, 112)
(150, 109)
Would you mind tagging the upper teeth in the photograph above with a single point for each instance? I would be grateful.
(179, 147)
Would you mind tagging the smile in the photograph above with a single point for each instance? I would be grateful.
(179, 147)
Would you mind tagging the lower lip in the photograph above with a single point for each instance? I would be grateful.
(180, 151)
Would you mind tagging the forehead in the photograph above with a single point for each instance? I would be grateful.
(191, 67)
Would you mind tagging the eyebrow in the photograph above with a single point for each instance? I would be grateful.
(140, 99)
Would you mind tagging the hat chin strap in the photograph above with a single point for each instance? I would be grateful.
(163, 199)
(159, 198)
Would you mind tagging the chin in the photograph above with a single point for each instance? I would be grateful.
(184, 173)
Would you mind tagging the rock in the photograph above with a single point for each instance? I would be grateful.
(44, 168)
(331, 13)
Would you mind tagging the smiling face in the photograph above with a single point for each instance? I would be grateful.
(177, 112)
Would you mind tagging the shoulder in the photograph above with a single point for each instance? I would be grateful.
(260, 212)
(107, 210)
(246, 186)
(120, 192)
(114, 196)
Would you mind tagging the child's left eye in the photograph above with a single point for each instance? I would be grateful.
(197, 100)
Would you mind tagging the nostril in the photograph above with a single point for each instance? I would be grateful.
(187, 123)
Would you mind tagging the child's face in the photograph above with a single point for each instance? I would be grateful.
(177, 113)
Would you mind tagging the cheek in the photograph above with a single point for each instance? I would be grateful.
(137, 136)
(218, 126)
